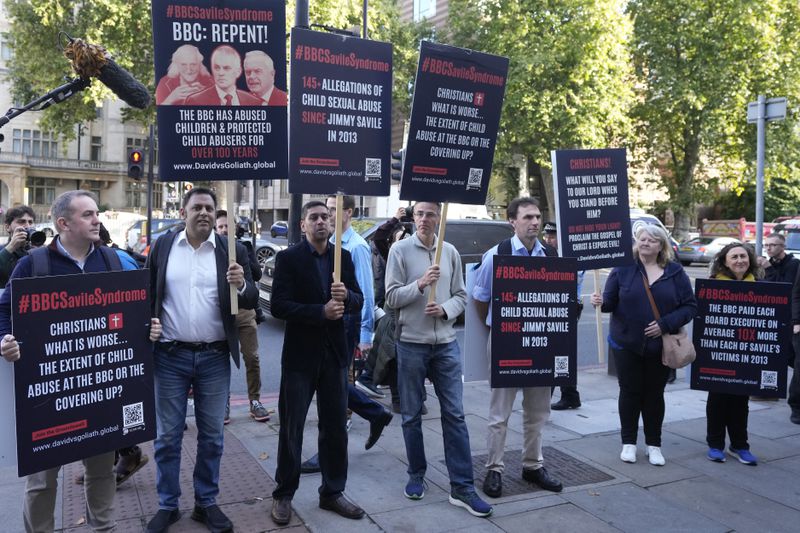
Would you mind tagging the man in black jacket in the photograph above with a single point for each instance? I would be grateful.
(785, 267)
(314, 359)
(190, 280)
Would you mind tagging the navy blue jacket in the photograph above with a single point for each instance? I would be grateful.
(625, 298)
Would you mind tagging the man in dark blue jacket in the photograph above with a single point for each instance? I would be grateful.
(74, 251)
(314, 359)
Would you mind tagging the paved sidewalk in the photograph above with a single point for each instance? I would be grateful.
(601, 493)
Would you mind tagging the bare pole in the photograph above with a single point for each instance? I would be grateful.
(296, 200)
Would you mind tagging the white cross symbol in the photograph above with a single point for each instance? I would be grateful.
(115, 320)
(479, 99)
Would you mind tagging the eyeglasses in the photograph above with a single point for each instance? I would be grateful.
(425, 214)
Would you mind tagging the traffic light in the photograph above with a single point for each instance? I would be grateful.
(135, 160)
(398, 160)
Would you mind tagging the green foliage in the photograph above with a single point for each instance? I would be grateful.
(569, 82)
(699, 64)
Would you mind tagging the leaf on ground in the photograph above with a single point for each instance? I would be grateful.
(264, 456)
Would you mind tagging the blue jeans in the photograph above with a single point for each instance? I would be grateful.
(441, 363)
(208, 372)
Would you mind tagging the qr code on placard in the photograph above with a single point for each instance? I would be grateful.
(474, 178)
(373, 168)
(561, 365)
(132, 415)
(769, 379)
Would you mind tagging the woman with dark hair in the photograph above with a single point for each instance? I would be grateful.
(725, 411)
(635, 334)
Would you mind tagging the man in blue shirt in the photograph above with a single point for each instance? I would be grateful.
(73, 251)
(525, 216)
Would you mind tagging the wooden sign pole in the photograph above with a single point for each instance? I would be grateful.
(229, 194)
(337, 256)
(439, 241)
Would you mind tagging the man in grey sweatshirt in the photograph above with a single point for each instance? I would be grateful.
(426, 346)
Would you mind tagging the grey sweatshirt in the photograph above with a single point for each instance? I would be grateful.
(408, 261)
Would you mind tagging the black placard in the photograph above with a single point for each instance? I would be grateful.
(534, 321)
(84, 381)
(455, 115)
(341, 115)
(591, 193)
(742, 334)
(199, 138)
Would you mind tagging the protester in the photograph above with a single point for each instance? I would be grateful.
(358, 326)
(248, 334)
(427, 347)
(785, 268)
(73, 251)
(525, 216)
(570, 397)
(314, 359)
(726, 411)
(18, 221)
(635, 335)
(190, 280)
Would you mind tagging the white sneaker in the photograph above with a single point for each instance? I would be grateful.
(628, 453)
(654, 454)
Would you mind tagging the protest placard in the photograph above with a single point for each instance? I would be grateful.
(742, 335)
(458, 97)
(534, 321)
(221, 80)
(591, 196)
(341, 91)
(84, 381)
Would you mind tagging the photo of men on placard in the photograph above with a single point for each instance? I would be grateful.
(259, 72)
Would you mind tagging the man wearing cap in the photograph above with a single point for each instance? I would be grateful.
(570, 397)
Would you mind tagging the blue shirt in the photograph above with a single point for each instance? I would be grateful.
(482, 291)
(362, 259)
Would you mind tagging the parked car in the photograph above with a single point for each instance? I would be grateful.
(154, 235)
(702, 249)
(471, 237)
(136, 235)
(279, 229)
(266, 249)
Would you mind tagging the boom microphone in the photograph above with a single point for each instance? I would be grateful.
(93, 61)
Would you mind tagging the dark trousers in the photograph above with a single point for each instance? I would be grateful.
(727, 411)
(794, 384)
(357, 401)
(569, 394)
(641, 392)
(329, 380)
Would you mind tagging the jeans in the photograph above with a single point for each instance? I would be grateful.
(208, 372)
(441, 363)
(641, 392)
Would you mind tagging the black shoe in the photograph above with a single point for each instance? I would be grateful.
(311, 466)
(493, 484)
(213, 517)
(281, 511)
(260, 315)
(340, 505)
(162, 520)
(542, 478)
(368, 387)
(563, 405)
(424, 409)
(795, 418)
(376, 429)
(396, 406)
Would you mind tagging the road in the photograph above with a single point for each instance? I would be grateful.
(270, 338)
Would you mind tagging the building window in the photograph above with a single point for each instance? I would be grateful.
(97, 144)
(424, 9)
(136, 194)
(34, 143)
(41, 191)
(6, 51)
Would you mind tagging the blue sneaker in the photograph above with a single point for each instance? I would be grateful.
(716, 455)
(472, 503)
(744, 456)
(415, 489)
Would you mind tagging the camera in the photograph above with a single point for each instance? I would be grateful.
(35, 237)
(409, 216)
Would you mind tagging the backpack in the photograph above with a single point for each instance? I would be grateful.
(40, 260)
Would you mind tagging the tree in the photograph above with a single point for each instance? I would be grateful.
(699, 63)
(569, 81)
(124, 27)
